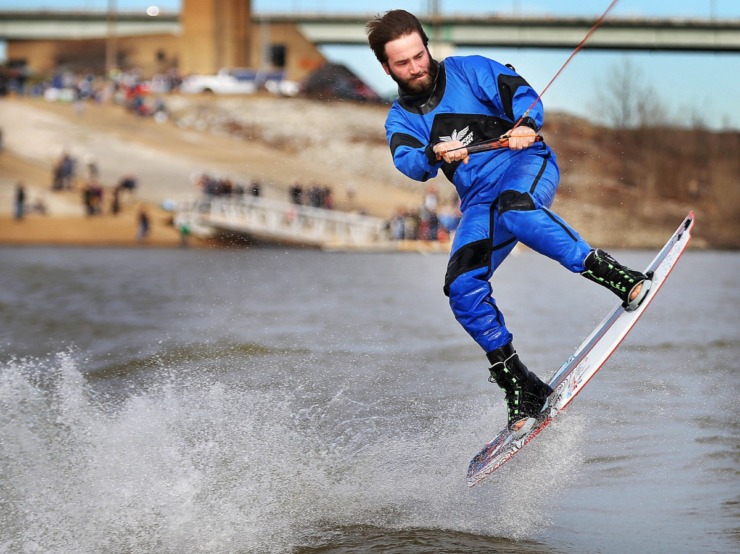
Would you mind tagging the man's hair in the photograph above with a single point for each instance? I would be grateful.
(390, 26)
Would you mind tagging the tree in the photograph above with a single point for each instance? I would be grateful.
(632, 107)
(616, 98)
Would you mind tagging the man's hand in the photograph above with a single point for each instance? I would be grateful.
(448, 151)
(521, 137)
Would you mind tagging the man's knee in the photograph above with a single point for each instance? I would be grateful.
(469, 259)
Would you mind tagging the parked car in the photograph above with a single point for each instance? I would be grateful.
(229, 81)
(337, 81)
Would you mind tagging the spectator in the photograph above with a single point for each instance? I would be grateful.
(296, 194)
(184, 229)
(143, 231)
(92, 197)
(115, 206)
(128, 183)
(328, 199)
(67, 170)
(20, 200)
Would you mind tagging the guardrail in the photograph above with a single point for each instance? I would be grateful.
(268, 220)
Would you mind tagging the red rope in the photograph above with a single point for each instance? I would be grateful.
(572, 55)
(503, 141)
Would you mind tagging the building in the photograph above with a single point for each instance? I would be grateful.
(205, 36)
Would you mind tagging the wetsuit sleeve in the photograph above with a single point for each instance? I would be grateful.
(412, 153)
(509, 92)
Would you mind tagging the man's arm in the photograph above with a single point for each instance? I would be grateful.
(411, 155)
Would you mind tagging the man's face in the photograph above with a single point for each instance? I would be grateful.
(409, 64)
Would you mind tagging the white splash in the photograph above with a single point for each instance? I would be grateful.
(196, 465)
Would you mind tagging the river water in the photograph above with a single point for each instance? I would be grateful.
(264, 400)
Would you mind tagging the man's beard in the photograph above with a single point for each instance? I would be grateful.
(419, 84)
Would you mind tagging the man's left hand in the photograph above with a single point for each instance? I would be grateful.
(521, 137)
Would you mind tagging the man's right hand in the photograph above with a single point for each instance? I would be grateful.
(522, 137)
(451, 151)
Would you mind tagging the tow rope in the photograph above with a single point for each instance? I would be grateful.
(503, 140)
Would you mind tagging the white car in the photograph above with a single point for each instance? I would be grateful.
(228, 81)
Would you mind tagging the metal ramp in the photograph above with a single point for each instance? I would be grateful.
(272, 221)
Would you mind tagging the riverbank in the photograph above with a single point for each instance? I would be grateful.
(167, 161)
(279, 143)
(58, 218)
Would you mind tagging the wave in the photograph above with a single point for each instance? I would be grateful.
(196, 464)
(203, 354)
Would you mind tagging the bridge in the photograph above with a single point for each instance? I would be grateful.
(264, 220)
(697, 35)
(538, 32)
(57, 25)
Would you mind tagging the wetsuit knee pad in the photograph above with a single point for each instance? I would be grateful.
(472, 256)
(514, 200)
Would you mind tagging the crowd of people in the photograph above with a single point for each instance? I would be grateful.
(314, 196)
(128, 88)
(432, 221)
(65, 178)
(210, 185)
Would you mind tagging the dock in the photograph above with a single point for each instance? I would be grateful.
(262, 220)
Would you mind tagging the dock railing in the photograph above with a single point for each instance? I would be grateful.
(269, 220)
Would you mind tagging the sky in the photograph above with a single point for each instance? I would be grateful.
(687, 86)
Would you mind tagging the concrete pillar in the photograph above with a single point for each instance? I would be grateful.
(215, 34)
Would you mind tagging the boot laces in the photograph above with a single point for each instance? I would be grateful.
(611, 273)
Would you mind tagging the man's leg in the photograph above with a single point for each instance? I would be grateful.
(467, 283)
(477, 251)
(527, 191)
(523, 210)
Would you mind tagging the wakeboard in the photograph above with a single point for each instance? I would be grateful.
(578, 370)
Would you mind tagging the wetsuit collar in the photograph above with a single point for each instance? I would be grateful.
(426, 102)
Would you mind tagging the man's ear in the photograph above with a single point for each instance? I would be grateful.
(386, 68)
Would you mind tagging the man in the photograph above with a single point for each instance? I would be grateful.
(505, 194)
(20, 200)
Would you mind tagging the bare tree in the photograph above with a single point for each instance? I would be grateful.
(632, 107)
(617, 95)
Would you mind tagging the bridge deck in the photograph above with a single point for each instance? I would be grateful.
(699, 35)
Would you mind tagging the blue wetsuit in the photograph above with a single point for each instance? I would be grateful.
(505, 194)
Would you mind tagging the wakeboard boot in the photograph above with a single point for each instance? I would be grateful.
(603, 269)
(525, 393)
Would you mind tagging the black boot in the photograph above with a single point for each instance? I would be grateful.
(525, 393)
(601, 268)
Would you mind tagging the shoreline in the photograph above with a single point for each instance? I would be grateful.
(81, 231)
(344, 155)
(164, 157)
